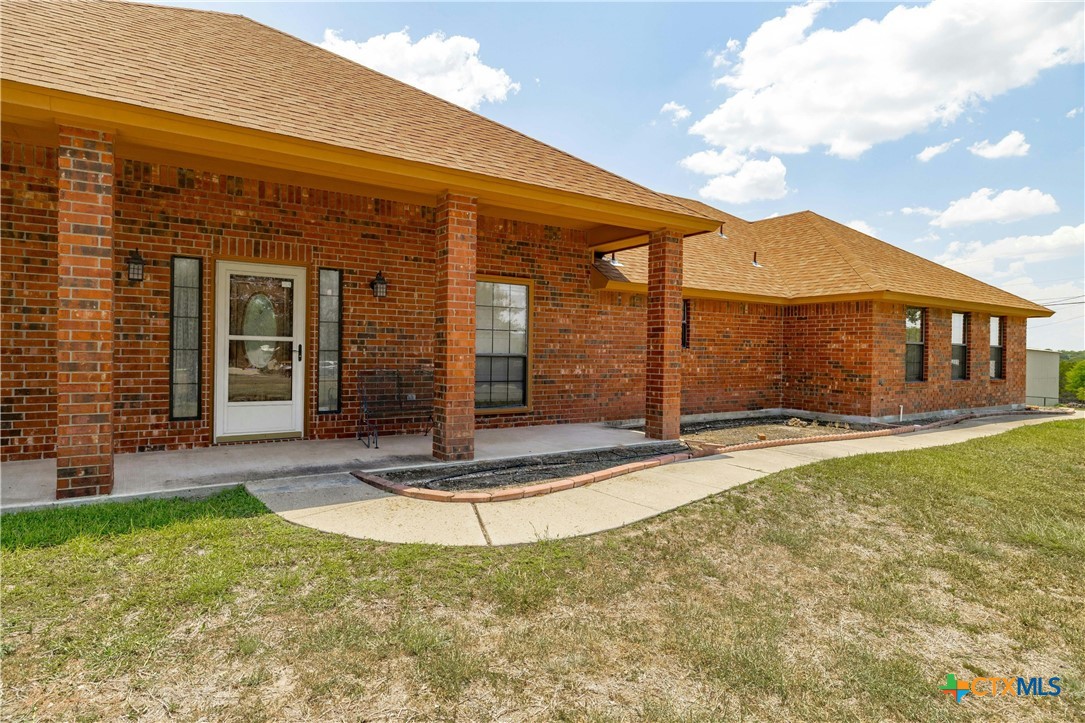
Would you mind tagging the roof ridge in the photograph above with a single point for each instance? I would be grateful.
(860, 267)
(780, 215)
(156, 5)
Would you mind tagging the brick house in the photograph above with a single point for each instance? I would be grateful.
(216, 233)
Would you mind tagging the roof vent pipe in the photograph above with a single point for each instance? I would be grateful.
(755, 260)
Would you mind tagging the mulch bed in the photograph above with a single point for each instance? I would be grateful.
(525, 470)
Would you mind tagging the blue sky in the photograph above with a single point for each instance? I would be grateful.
(784, 107)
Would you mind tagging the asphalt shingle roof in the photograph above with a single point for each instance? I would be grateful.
(805, 255)
(230, 69)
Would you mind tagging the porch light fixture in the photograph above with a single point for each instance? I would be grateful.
(379, 286)
(135, 266)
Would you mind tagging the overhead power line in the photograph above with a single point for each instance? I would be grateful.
(1056, 323)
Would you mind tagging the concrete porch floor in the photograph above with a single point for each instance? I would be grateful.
(194, 472)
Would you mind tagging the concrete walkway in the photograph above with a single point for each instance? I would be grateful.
(341, 504)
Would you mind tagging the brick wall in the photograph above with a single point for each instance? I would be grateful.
(28, 288)
(827, 362)
(578, 373)
(734, 359)
(938, 391)
(164, 210)
(587, 346)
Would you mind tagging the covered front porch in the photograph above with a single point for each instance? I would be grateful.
(196, 472)
(149, 327)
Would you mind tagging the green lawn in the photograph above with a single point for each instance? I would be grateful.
(844, 590)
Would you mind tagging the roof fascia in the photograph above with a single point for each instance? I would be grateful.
(154, 128)
(600, 282)
(1035, 311)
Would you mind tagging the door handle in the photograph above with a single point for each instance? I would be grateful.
(299, 352)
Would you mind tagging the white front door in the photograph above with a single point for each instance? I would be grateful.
(259, 353)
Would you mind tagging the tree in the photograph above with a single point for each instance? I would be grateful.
(1075, 380)
(1067, 360)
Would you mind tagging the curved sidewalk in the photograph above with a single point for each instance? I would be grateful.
(341, 504)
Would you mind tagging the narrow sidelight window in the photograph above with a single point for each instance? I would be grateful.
(685, 323)
(915, 339)
(329, 381)
(501, 344)
(959, 343)
(998, 342)
(186, 307)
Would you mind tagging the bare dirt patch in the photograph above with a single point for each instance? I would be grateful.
(740, 431)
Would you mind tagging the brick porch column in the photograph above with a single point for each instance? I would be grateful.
(84, 327)
(663, 366)
(454, 328)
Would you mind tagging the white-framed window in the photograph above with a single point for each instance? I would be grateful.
(501, 344)
(959, 344)
(998, 344)
(915, 344)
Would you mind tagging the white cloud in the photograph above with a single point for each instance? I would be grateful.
(1012, 145)
(928, 237)
(448, 67)
(1004, 262)
(931, 151)
(711, 163)
(752, 181)
(738, 178)
(1008, 256)
(794, 87)
(1074, 112)
(1007, 206)
(862, 227)
(677, 111)
(919, 211)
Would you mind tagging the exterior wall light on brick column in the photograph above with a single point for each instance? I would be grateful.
(135, 266)
(379, 286)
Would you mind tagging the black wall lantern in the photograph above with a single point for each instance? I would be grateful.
(379, 286)
(135, 266)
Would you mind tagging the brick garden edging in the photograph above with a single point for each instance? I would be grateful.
(700, 450)
(516, 493)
